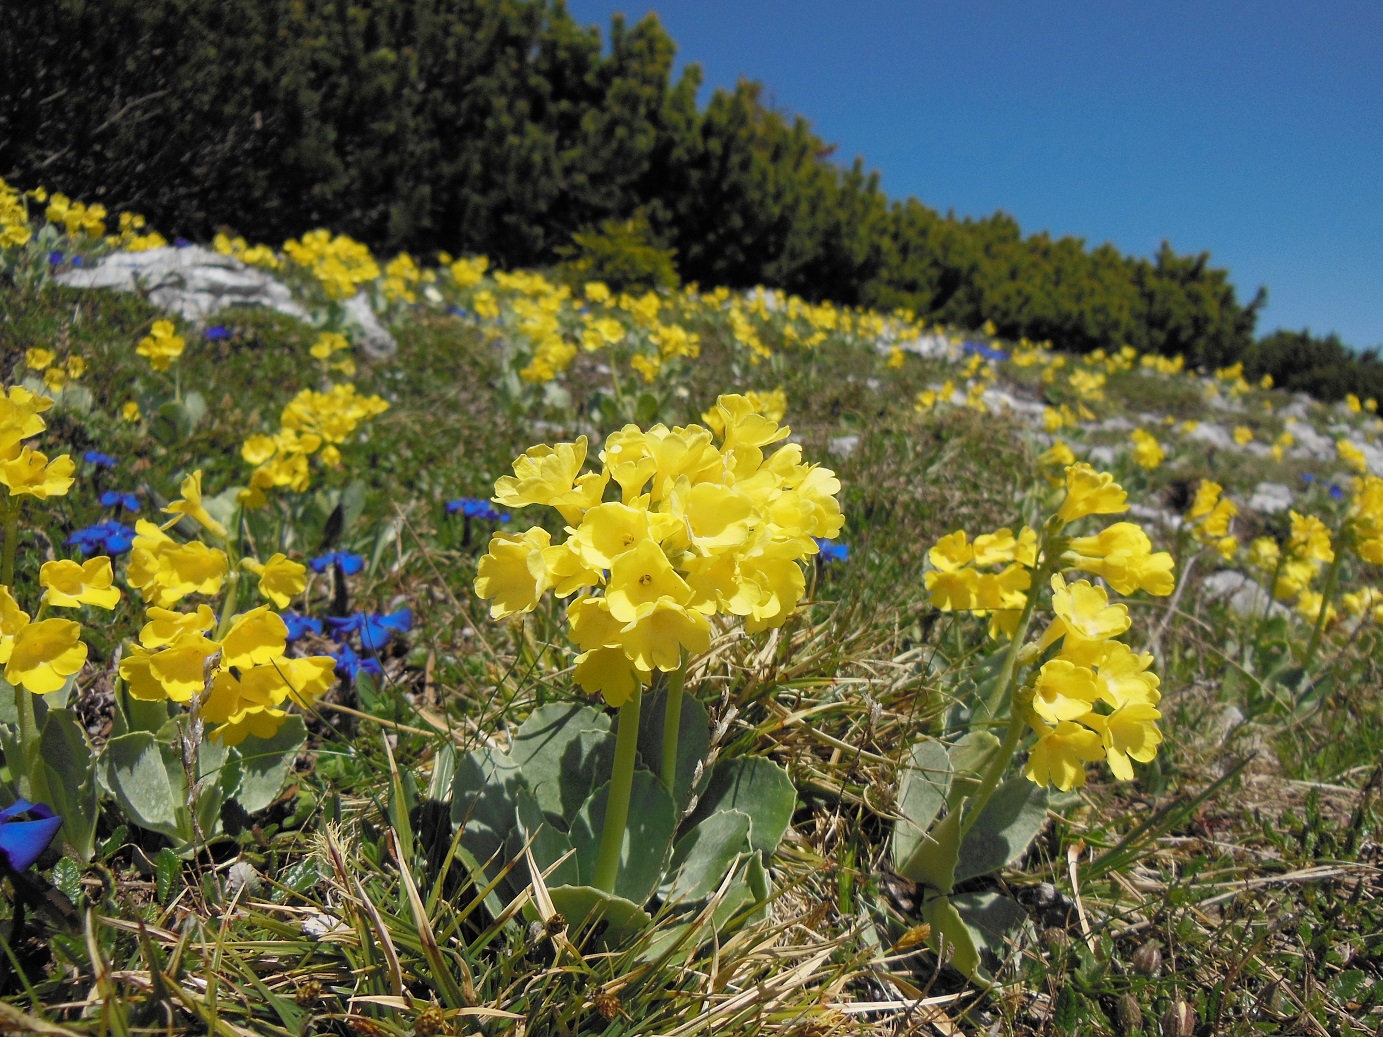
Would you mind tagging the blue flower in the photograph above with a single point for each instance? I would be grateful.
(475, 508)
(217, 332)
(1336, 492)
(1307, 477)
(349, 562)
(21, 842)
(300, 626)
(55, 259)
(457, 311)
(832, 551)
(119, 499)
(100, 460)
(77, 261)
(374, 630)
(349, 664)
(181, 242)
(108, 537)
(986, 351)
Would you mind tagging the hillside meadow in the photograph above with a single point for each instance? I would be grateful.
(602, 659)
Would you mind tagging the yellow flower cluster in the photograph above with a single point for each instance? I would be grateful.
(328, 344)
(55, 376)
(135, 235)
(312, 423)
(698, 531)
(340, 264)
(161, 346)
(401, 279)
(957, 581)
(14, 218)
(76, 217)
(25, 471)
(255, 255)
(1210, 516)
(1147, 451)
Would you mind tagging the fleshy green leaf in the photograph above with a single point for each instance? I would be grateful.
(482, 803)
(933, 863)
(69, 779)
(969, 756)
(565, 751)
(548, 843)
(266, 763)
(135, 770)
(1010, 822)
(647, 836)
(586, 907)
(704, 855)
(757, 787)
(693, 741)
(951, 938)
(921, 795)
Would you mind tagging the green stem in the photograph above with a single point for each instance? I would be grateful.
(9, 510)
(621, 787)
(28, 740)
(1332, 577)
(228, 606)
(672, 724)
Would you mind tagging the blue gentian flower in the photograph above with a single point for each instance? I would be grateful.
(119, 499)
(100, 460)
(181, 242)
(349, 562)
(349, 664)
(1336, 492)
(1307, 477)
(300, 626)
(475, 508)
(374, 630)
(77, 261)
(832, 551)
(55, 259)
(107, 537)
(217, 332)
(457, 311)
(21, 842)
(984, 350)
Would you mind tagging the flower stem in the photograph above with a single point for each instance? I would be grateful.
(621, 787)
(9, 510)
(672, 725)
(1332, 577)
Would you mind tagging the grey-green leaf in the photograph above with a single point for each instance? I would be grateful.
(951, 938)
(933, 863)
(921, 795)
(69, 775)
(1010, 822)
(704, 855)
(647, 836)
(584, 907)
(482, 802)
(757, 787)
(136, 772)
(266, 763)
(546, 842)
(969, 756)
(693, 741)
(564, 750)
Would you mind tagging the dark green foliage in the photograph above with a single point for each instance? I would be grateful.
(1324, 367)
(502, 127)
(622, 253)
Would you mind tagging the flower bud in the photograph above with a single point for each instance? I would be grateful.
(1179, 1020)
(1147, 959)
(1055, 939)
(1130, 1014)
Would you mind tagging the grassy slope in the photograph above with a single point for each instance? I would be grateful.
(1262, 893)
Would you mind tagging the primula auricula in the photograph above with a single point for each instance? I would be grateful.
(100, 460)
(1095, 698)
(22, 841)
(349, 562)
(108, 537)
(119, 499)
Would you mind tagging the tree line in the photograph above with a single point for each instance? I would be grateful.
(503, 127)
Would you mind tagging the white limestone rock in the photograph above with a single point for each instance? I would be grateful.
(1270, 498)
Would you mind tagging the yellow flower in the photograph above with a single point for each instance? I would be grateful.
(1084, 610)
(32, 474)
(165, 571)
(280, 580)
(953, 591)
(39, 359)
(71, 584)
(1123, 555)
(166, 626)
(951, 552)
(1061, 753)
(660, 630)
(1089, 492)
(181, 668)
(1352, 456)
(1147, 452)
(1058, 454)
(54, 379)
(1064, 691)
(45, 654)
(129, 411)
(1310, 539)
(191, 506)
(161, 346)
(1129, 732)
(609, 673)
(513, 574)
(642, 576)
(254, 638)
(1243, 435)
(1207, 495)
(76, 366)
(551, 475)
(19, 419)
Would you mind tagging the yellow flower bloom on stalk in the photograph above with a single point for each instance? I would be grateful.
(129, 411)
(70, 584)
(698, 533)
(1243, 435)
(190, 506)
(1058, 455)
(1089, 492)
(280, 580)
(1310, 539)
(1352, 456)
(1353, 403)
(43, 655)
(19, 419)
(1061, 754)
(31, 474)
(1147, 452)
(161, 346)
(39, 359)
(164, 571)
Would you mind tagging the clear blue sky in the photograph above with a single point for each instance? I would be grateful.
(1252, 130)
